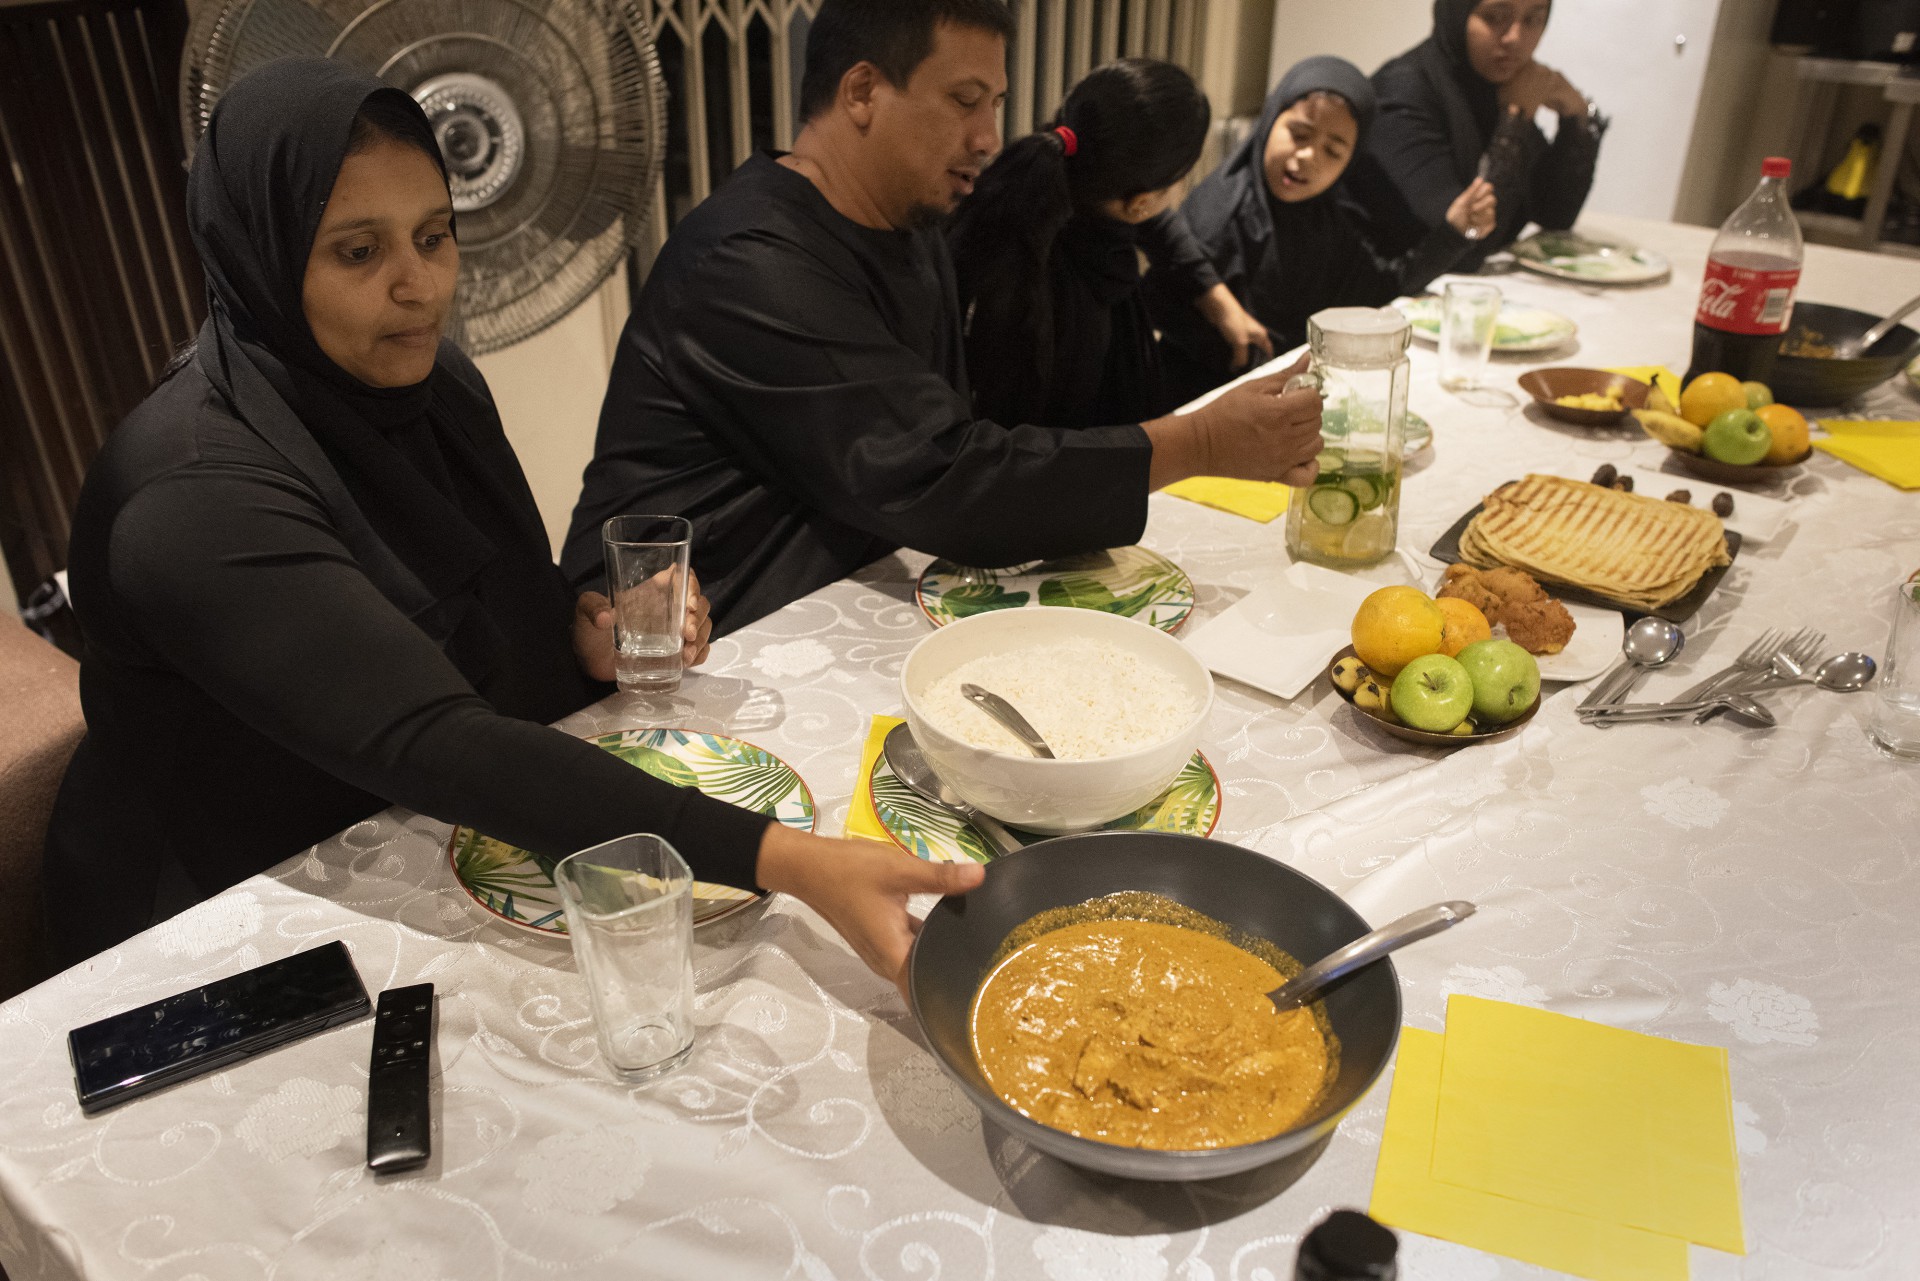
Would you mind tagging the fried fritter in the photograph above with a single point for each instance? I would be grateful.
(1535, 621)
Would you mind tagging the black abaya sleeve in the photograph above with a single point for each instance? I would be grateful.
(234, 577)
(1173, 250)
(789, 366)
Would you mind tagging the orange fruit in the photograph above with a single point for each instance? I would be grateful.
(1709, 396)
(1394, 626)
(1465, 625)
(1789, 432)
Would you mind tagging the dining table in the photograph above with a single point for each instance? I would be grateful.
(1746, 888)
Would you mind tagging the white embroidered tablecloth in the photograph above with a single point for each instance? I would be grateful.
(1752, 889)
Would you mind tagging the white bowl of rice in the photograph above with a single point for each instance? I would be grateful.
(1121, 704)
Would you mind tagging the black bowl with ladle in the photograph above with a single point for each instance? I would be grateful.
(1238, 887)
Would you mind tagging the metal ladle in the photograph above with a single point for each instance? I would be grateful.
(1008, 715)
(1367, 949)
(1853, 348)
(910, 765)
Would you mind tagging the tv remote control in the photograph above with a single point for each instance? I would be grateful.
(399, 1122)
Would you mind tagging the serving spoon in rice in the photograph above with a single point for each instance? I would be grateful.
(1008, 715)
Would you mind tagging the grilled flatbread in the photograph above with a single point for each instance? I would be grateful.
(1642, 552)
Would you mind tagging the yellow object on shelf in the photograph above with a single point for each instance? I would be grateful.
(1259, 500)
(862, 823)
(1407, 1196)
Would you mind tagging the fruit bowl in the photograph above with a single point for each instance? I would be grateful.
(1736, 473)
(1546, 386)
(1427, 737)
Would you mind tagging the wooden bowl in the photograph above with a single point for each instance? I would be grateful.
(1426, 737)
(1737, 473)
(1546, 386)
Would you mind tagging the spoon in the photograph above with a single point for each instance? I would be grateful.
(1007, 714)
(1367, 949)
(1737, 705)
(909, 764)
(1841, 674)
(1649, 642)
(1850, 348)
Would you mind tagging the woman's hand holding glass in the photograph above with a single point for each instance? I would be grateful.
(593, 630)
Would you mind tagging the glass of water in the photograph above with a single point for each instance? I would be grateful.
(629, 906)
(1894, 726)
(647, 581)
(1468, 316)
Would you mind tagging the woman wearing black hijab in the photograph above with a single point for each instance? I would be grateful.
(1275, 221)
(312, 579)
(1462, 103)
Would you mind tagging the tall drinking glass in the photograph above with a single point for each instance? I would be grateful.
(1467, 320)
(629, 905)
(1894, 727)
(647, 579)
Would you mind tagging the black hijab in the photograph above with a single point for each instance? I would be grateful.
(1282, 260)
(382, 459)
(1471, 102)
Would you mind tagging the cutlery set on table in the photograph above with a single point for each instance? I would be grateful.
(1775, 660)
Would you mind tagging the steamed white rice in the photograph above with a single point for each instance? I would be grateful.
(1088, 699)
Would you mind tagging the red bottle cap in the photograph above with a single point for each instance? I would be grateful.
(1775, 167)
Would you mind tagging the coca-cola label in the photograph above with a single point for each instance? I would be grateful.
(1741, 300)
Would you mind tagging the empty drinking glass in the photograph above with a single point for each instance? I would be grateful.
(1467, 320)
(647, 581)
(629, 905)
(1894, 726)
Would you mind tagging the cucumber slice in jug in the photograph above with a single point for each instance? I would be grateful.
(1332, 505)
(1368, 491)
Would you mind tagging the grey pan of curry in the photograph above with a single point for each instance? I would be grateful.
(1262, 907)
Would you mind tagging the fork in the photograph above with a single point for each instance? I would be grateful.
(1753, 659)
(1788, 663)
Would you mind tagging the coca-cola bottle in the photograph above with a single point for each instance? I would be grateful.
(1746, 300)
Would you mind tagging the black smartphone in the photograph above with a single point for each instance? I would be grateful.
(182, 1036)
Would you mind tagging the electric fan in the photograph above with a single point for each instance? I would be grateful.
(551, 115)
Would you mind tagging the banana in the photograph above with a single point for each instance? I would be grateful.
(1348, 673)
(1669, 429)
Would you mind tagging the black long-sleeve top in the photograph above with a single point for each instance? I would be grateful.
(249, 692)
(1426, 147)
(795, 385)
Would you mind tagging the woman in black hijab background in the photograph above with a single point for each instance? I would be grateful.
(1278, 226)
(1462, 103)
(312, 580)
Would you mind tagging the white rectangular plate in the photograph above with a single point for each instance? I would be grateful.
(1282, 634)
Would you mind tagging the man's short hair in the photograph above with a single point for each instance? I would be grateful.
(894, 35)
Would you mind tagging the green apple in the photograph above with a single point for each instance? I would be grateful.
(1737, 436)
(1758, 394)
(1505, 680)
(1433, 692)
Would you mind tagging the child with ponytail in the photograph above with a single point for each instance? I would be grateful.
(1045, 254)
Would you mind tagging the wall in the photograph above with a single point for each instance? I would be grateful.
(548, 389)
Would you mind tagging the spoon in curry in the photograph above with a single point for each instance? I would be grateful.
(910, 765)
(1367, 949)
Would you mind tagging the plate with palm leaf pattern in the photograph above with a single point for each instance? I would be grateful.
(937, 834)
(516, 885)
(1130, 581)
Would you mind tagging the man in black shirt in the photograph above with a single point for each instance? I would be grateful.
(793, 379)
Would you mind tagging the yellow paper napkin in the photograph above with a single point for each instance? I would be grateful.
(1259, 500)
(1630, 1129)
(1888, 450)
(862, 823)
(1654, 376)
(1407, 1196)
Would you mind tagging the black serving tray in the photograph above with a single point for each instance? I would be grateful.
(1679, 611)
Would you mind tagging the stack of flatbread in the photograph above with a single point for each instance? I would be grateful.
(1642, 552)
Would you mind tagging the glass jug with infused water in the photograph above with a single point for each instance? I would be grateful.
(1350, 516)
